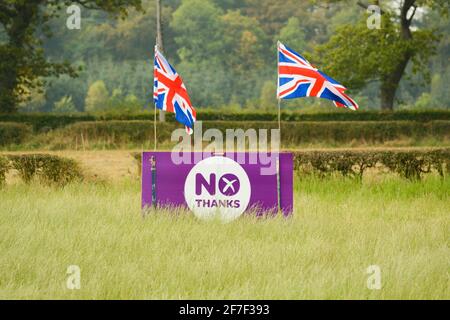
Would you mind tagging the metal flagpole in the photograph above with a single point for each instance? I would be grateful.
(154, 116)
(279, 116)
(154, 129)
(279, 131)
(278, 86)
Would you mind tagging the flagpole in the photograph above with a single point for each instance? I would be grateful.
(279, 117)
(154, 103)
(278, 97)
(279, 131)
(154, 129)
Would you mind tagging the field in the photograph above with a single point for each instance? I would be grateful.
(340, 227)
(395, 216)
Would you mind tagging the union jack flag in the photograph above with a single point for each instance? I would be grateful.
(170, 94)
(298, 78)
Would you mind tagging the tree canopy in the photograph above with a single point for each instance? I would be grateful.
(225, 50)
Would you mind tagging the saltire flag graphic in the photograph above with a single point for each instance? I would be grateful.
(298, 78)
(170, 94)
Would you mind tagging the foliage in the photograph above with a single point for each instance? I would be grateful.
(49, 168)
(13, 133)
(411, 164)
(4, 167)
(97, 97)
(34, 100)
(65, 105)
(118, 133)
(46, 121)
(268, 95)
(225, 51)
(24, 64)
(379, 54)
(202, 19)
(293, 35)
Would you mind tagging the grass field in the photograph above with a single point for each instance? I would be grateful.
(339, 228)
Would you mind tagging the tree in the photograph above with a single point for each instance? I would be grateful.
(64, 105)
(97, 97)
(268, 98)
(293, 35)
(198, 30)
(243, 43)
(34, 101)
(358, 55)
(23, 63)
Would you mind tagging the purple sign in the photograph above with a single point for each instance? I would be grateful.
(224, 186)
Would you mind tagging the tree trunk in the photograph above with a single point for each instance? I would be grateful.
(390, 83)
(159, 43)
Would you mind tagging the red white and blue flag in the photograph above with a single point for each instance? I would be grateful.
(170, 94)
(298, 78)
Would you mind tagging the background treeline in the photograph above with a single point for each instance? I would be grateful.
(224, 49)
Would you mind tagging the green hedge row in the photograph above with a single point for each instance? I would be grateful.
(49, 169)
(47, 121)
(13, 133)
(409, 164)
(292, 133)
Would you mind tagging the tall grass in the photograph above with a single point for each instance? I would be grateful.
(339, 228)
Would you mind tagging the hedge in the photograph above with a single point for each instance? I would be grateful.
(50, 169)
(13, 133)
(292, 133)
(42, 122)
(4, 167)
(409, 164)
(47, 121)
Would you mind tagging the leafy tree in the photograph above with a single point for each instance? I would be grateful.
(268, 98)
(97, 97)
(65, 105)
(293, 35)
(198, 29)
(274, 14)
(34, 100)
(207, 81)
(23, 62)
(243, 42)
(439, 89)
(131, 104)
(358, 55)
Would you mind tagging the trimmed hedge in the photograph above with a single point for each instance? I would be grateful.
(4, 167)
(47, 121)
(410, 164)
(43, 122)
(50, 169)
(13, 133)
(138, 132)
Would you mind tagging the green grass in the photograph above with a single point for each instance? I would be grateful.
(339, 228)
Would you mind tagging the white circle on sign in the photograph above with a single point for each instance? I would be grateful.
(217, 187)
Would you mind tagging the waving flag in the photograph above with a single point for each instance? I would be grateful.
(298, 78)
(170, 94)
